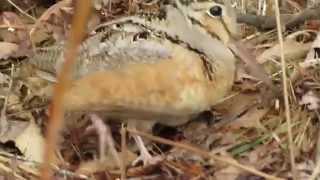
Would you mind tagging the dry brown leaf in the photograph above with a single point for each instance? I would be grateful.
(56, 21)
(25, 134)
(99, 4)
(251, 118)
(244, 81)
(8, 50)
(292, 50)
(228, 173)
(261, 156)
(243, 110)
(313, 24)
(16, 31)
(31, 142)
(311, 100)
(242, 50)
(53, 20)
(236, 105)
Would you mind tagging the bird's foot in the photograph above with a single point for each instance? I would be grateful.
(147, 159)
(104, 136)
(145, 156)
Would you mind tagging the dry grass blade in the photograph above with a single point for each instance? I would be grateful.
(56, 116)
(22, 11)
(285, 92)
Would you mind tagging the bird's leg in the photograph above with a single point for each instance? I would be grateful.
(144, 156)
(105, 137)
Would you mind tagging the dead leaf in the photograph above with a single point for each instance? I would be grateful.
(53, 20)
(56, 21)
(99, 4)
(228, 173)
(313, 25)
(311, 100)
(16, 31)
(8, 50)
(243, 110)
(31, 142)
(250, 119)
(292, 50)
(251, 64)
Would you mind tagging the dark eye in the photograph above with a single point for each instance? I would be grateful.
(215, 11)
(141, 35)
(117, 26)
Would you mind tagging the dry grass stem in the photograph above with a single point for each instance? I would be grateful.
(285, 91)
(123, 153)
(56, 115)
(22, 11)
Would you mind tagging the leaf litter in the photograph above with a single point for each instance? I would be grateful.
(239, 128)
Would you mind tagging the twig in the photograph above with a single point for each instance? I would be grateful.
(204, 154)
(269, 22)
(285, 93)
(56, 116)
(72, 175)
(21, 10)
(123, 153)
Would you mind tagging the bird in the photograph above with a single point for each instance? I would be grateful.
(145, 69)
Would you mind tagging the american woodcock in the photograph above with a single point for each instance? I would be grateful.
(145, 69)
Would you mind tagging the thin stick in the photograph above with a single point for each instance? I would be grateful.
(21, 10)
(123, 153)
(285, 93)
(56, 115)
(204, 154)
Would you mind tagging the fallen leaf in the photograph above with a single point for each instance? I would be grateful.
(243, 110)
(16, 31)
(313, 25)
(31, 142)
(53, 20)
(228, 173)
(8, 50)
(56, 21)
(250, 119)
(292, 50)
(311, 100)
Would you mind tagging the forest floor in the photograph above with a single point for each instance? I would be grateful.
(243, 137)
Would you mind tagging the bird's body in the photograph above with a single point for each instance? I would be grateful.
(169, 91)
(141, 71)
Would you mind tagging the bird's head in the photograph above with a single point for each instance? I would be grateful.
(217, 19)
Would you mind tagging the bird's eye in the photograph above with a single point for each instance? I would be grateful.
(117, 26)
(215, 11)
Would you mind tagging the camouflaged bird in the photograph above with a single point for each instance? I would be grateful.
(165, 68)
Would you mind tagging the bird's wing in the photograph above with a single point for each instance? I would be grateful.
(107, 50)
